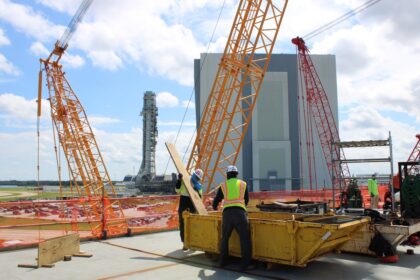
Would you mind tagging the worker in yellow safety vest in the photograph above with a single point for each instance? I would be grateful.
(235, 199)
(373, 192)
(185, 202)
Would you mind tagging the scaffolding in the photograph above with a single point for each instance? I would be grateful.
(367, 144)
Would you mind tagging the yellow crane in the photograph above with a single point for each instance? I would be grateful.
(88, 173)
(220, 134)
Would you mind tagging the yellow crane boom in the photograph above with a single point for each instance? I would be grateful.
(86, 165)
(228, 110)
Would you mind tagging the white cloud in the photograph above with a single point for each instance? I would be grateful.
(3, 39)
(121, 153)
(188, 104)
(17, 111)
(18, 152)
(159, 44)
(374, 66)
(28, 21)
(162, 42)
(161, 123)
(368, 124)
(73, 61)
(166, 99)
(106, 59)
(162, 155)
(97, 120)
(68, 6)
(7, 67)
(38, 49)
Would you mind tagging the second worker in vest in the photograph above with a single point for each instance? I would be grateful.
(235, 199)
(185, 202)
(373, 192)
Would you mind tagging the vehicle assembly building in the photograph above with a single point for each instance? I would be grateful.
(274, 148)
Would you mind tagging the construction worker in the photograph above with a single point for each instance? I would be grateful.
(373, 191)
(235, 195)
(185, 202)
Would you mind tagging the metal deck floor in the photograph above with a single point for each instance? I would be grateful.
(159, 256)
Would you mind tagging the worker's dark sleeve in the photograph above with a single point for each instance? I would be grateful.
(178, 184)
(218, 198)
(246, 196)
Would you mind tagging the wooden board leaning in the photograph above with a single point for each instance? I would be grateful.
(198, 203)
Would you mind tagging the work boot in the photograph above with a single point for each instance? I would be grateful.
(249, 266)
(221, 263)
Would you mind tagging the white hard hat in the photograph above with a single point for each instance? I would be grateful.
(199, 173)
(232, 168)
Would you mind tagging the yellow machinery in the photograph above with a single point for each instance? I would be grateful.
(283, 238)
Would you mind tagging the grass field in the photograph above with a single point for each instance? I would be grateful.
(12, 194)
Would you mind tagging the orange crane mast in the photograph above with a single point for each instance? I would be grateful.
(86, 165)
(228, 110)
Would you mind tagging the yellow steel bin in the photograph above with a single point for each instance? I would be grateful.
(284, 238)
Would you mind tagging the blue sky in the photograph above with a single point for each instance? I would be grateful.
(123, 48)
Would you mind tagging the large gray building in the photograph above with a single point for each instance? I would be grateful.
(274, 155)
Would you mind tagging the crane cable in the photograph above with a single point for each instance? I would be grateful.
(340, 19)
(38, 120)
(193, 89)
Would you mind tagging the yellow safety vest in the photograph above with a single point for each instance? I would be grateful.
(183, 190)
(234, 193)
(373, 186)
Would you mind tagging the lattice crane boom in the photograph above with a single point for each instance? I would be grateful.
(229, 109)
(415, 153)
(62, 43)
(86, 165)
(321, 113)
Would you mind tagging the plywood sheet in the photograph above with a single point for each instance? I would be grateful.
(53, 250)
(198, 203)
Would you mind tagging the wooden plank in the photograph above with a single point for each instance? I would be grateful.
(82, 255)
(28, 265)
(198, 203)
(54, 249)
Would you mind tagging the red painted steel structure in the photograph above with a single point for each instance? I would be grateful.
(322, 115)
(415, 154)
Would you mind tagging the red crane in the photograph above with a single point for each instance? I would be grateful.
(415, 154)
(318, 107)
